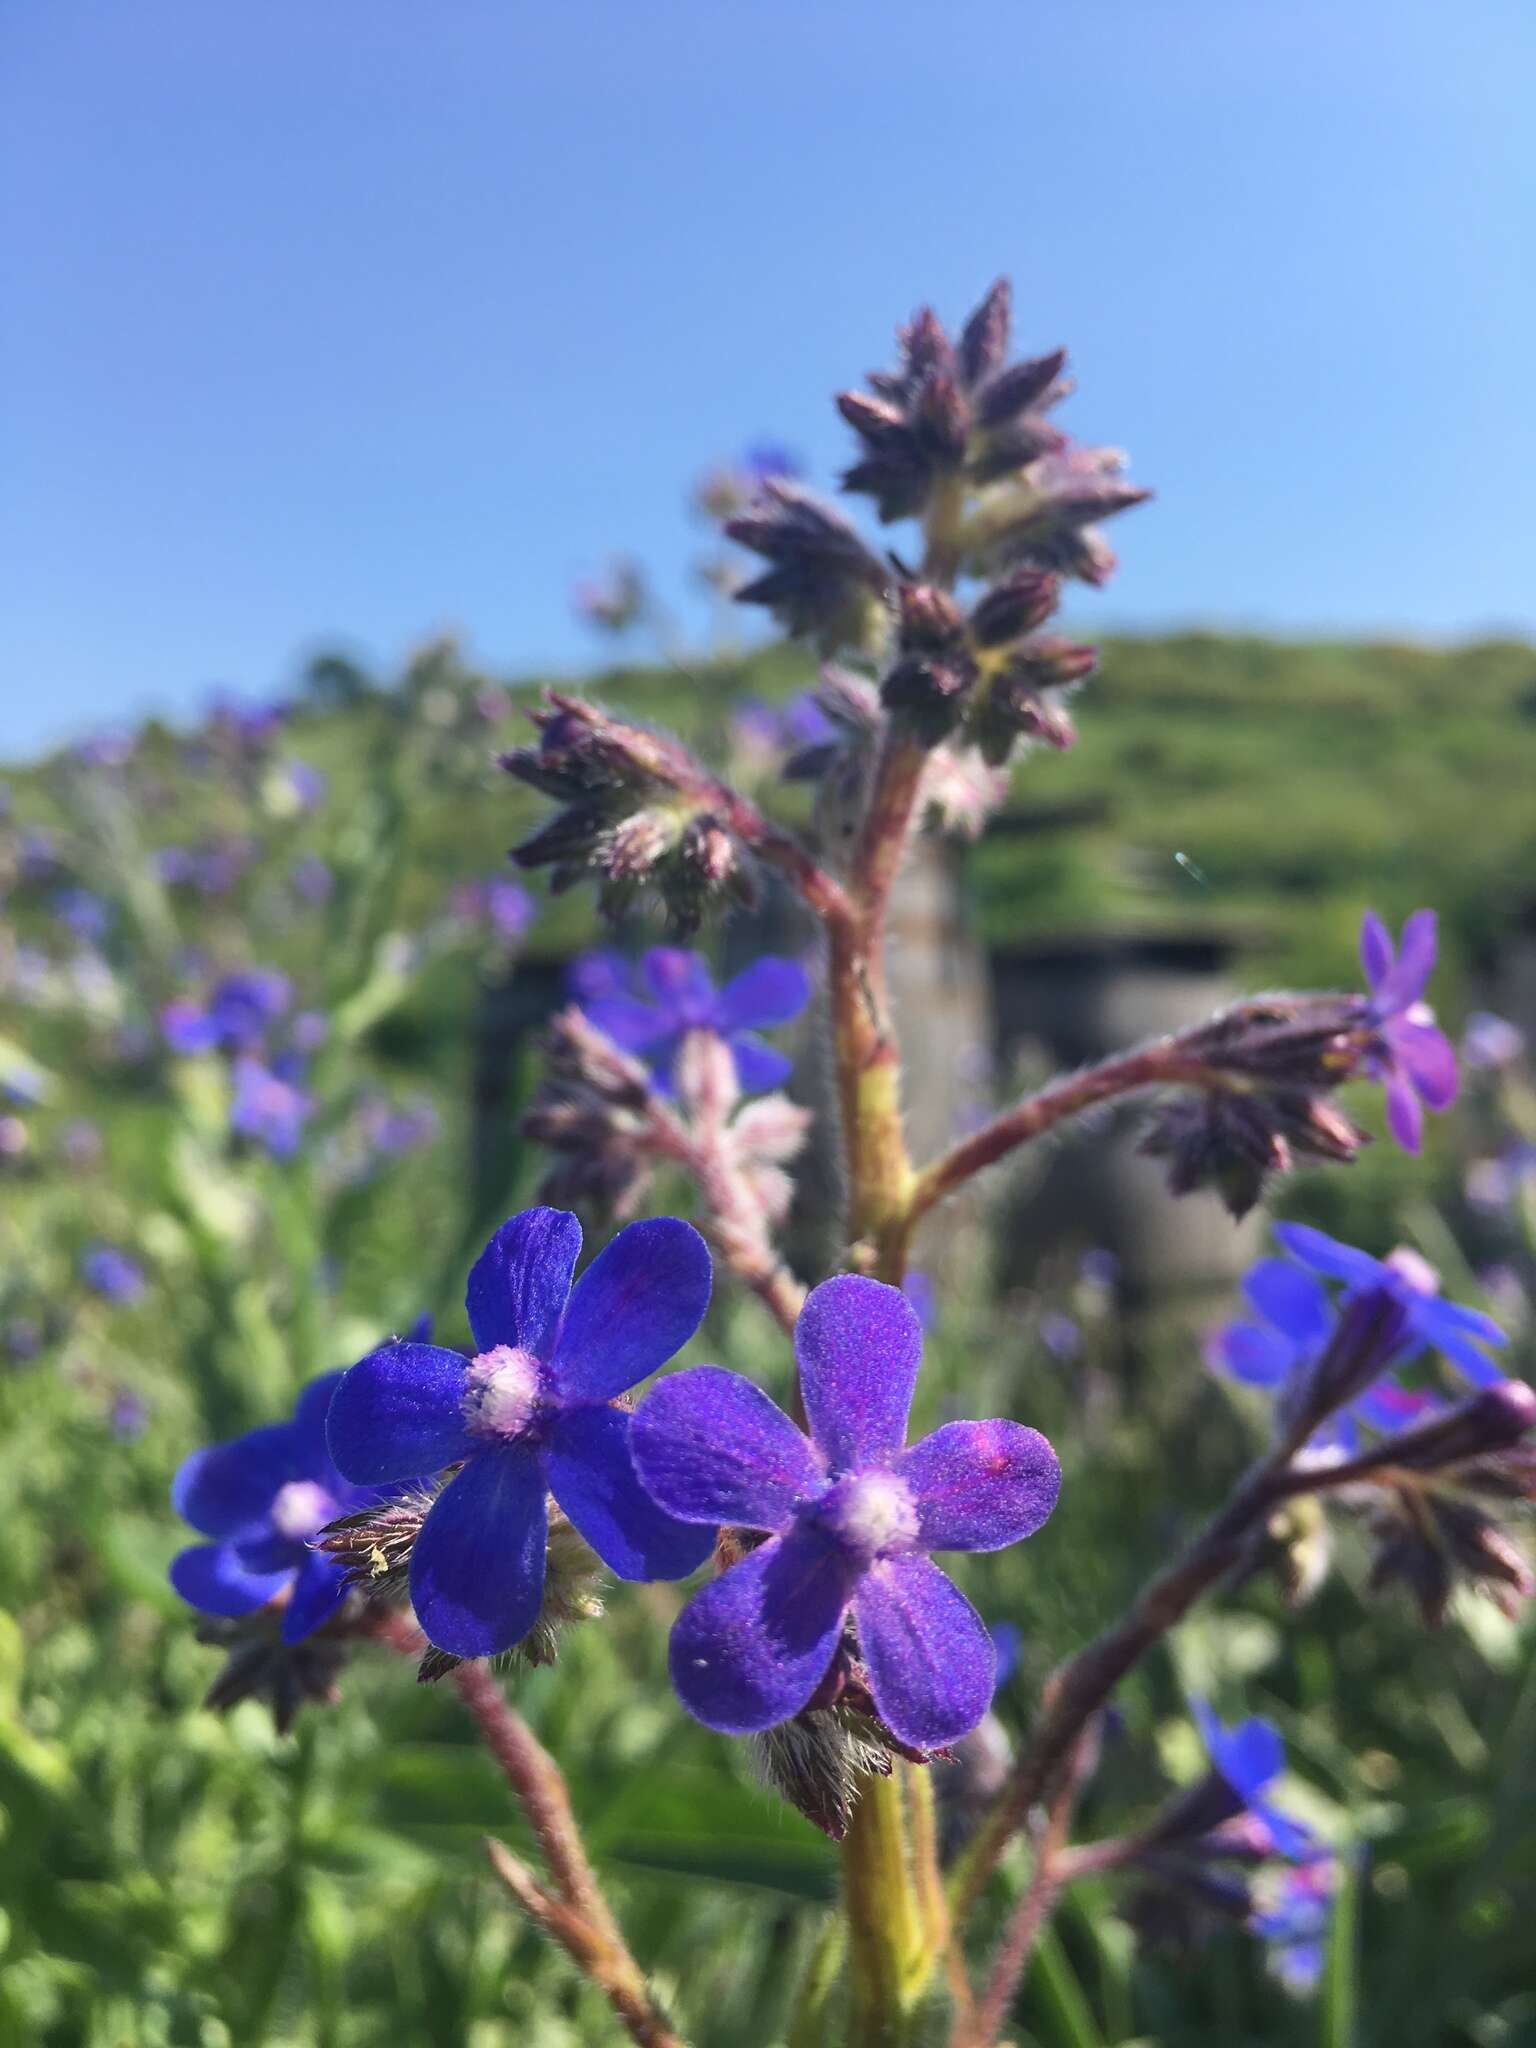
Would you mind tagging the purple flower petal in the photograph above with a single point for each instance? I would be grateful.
(750, 1649)
(1377, 952)
(1428, 1058)
(317, 1592)
(397, 1413)
(1325, 1254)
(932, 1666)
(590, 1471)
(477, 1571)
(767, 993)
(226, 1486)
(521, 1281)
(211, 1578)
(759, 1067)
(713, 1448)
(1405, 1119)
(981, 1485)
(679, 980)
(858, 1345)
(636, 1305)
(630, 1024)
(1291, 1298)
(1405, 983)
(1258, 1357)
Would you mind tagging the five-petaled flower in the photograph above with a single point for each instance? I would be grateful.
(674, 993)
(263, 1498)
(850, 1514)
(1410, 1055)
(529, 1412)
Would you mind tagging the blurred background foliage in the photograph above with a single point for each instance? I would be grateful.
(183, 1881)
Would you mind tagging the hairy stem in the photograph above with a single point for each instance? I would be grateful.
(1030, 1915)
(886, 1949)
(1151, 1066)
(1084, 1684)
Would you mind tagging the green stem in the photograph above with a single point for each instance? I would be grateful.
(888, 1957)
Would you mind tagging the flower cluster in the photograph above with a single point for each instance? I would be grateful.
(849, 1513)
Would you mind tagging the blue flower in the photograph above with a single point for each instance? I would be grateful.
(1295, 1923)
(112, 1274)
(529, 1412)
(268, 1105)
(674, 993)
(83, 913)
(235, 1016)
(850, 1515)
(1411, 1056)
(1459, 1334)
(1249, 1758)
(263, 1498)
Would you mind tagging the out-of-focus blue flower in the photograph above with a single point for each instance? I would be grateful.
(312, 881)
(263, 1499)
(128, 1415)
(1061, 1335)
(918, 1288)
(764, 459)
(38, 855)
(1411, 1056)
(1249, 1758)
(268, 1106)
(110, 1272)
(1008, 1641)
(1491, 1042)
(306, 785)
(235, 1015)
(1459, 1334)
(530, 1412)
(1295, 1923)
(80, 1144)
(105, 749)
(84, 913)
(851, 1516)
(504, 906)
(674, 993)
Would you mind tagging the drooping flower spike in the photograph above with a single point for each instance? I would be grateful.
(1249, 1758)
(674, 993)
(263, 1498)
(528, 1413)
(850, 1515)
(1411, 1057)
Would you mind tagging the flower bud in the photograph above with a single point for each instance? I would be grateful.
(983, 346)
(1017, 605)
(824, 583)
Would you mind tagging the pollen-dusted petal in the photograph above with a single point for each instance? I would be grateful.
(932, 1665)
(858, 1344)
(980, 1485)
(1428, 1058)
(759, 1067)
(211, 1578)
(711, 1447)
(399, 1412)
(637, 1304)
(1291, 1298)
(769, 992)
(477, 1569)
(591, 1472)
(521, 1281)
(227, 1486)
(318, 1591)
(750, 1649)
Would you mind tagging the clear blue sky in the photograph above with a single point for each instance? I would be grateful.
(345, 321)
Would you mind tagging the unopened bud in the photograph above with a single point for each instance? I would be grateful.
(1014, 607)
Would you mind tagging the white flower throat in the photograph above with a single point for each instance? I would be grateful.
(502, 1392)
